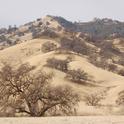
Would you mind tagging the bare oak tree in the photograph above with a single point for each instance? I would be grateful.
(94, 99)
(32, 94)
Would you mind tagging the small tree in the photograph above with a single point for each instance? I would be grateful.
(58, 64)
(77, 75)
(48, 46)
(32, 94)
(120, 100)
(94, 99)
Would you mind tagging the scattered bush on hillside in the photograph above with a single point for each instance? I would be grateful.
(48, 46)
(102, 63)
(58, 64)
(5, 39)
(75, 45)
(78, 76)
(109, 51)
(112, 67)
(32, 94)
(98, 61)
(121, 62)
(37, 33)
(120, 100)
(94, 99)
(11, 29)
(121, 72)
(70, 58)
(49, 33)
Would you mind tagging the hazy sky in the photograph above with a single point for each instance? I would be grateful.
(21, 11)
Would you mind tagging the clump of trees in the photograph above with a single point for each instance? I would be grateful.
(98, 61)
(45, 31)
(108, 49)
(32, 94)
(102, 29)
(76, 45)
(48, 46)
(36, 33)
(5, 39)
(49, 33)
(102, 62)
(11, 29)
(58, 64)
(78, 76)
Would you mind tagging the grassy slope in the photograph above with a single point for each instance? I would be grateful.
(31, 52)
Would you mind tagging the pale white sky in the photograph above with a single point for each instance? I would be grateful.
(21, 11)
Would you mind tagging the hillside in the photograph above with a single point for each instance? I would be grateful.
(31, 52)
(51, 38)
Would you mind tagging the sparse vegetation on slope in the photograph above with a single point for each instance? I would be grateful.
(76, 45)
(53, 44)
(32, 94)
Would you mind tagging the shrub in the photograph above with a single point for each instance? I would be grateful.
(102, 62)
(121, 72)
(49, 33)
(48, 46)
(112, 67)
(120, 100)
(58, 64)
(77, 75)
(36, 33)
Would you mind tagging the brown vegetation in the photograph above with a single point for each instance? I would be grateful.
(76, 45)
(121, 72)
(32, 94)
(58, 64)
(94, 99)
(48, 46)
(78, 76)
